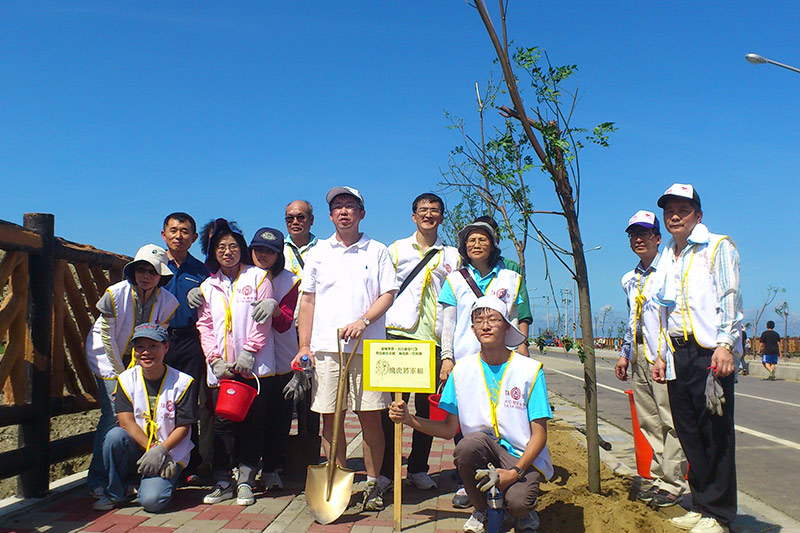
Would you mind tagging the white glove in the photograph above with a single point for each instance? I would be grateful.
(263, 309)
(169, 468)
(195, 298)
(244, 363)
(220, 369)
(151, 461)
(487, 477)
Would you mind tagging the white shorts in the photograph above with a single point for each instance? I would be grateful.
(325, 384)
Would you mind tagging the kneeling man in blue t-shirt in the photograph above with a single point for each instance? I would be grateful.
(499, 399)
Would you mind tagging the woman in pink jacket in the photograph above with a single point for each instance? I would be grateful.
(236, 347)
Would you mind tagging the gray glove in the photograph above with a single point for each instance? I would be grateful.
(487, 477)
(244, 363)
(263, 309)
(195, 298)
(150, 462)
(220, 369)
(715, 397)
(297, 387)
(169, 468)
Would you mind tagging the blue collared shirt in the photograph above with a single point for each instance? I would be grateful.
(189, 275)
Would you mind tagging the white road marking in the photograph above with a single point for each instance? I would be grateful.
(767, 399)
(753, 432)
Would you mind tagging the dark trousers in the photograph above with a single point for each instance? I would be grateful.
(186, 354)
(420, 442)
(277, 423)
(241, 443)
(708, 440)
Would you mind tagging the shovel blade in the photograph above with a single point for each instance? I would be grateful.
(326, 510)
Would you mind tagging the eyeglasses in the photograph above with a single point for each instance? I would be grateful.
(435, 211)
(644, 235)
(478, 240)
(145, 270)
(299, 218)
(231, 248)
(491, 320)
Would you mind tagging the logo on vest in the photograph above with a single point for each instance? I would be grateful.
(448, 268)
(247, 290)
(501, 293)
(513, 399)
(170, 406)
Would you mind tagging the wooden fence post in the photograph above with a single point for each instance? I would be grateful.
(35, 434)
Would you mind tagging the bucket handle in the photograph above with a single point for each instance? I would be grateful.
(258, 382)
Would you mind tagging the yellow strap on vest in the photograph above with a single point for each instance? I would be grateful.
(637, 314)
(493, 405)
(228, 314)
(685, 296)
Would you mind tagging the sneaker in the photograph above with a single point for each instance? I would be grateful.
(385, 484)
(271, 481)
(373, 499)
(422, 481)
(461, 500)
(97, 493)
(528, 523)
(707, 525)
(662, 498)
(244, 495)
(106, 504)
(476, 522)
(687, 521)
(219, 494)
(646, 495)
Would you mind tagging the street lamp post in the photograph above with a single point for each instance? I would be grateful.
(757, 60)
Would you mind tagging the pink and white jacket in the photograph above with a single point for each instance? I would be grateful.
(225, 325)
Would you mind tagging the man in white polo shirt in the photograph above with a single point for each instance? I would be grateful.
(422, 262)
(348, 284)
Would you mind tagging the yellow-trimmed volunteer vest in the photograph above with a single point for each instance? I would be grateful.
(122, 294)
(645, 313)
(286, 342)
(509, 418)
(159, 425)
(404, 313)
(505, 285)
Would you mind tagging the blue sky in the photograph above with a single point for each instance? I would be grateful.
(116, 113)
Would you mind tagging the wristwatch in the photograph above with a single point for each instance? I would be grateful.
(366, 321)
(520, 473)
(726, 346)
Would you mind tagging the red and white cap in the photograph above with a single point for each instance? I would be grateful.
(680, 190)
(645, 219)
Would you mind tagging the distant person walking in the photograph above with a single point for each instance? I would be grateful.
(770, 349)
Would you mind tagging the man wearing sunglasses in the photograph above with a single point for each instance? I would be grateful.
(299, 239)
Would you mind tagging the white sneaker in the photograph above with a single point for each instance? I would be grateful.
(219, 494)
(422, 481)
(244, 495)
(687, 521)
(707, 525)
(272, 481)
(384, 484)
(475, 522)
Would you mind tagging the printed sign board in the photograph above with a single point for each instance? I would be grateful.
(400, 366)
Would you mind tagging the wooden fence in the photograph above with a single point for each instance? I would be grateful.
(49, 289)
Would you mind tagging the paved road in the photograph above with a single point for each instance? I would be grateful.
(767, 423)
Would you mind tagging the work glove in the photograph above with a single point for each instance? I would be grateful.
(715, 397)
(244, 363)
(263, 309)
(150, 462)
(486, 477)
(195, 298)
(297, 387)
(169, 468)
(220, 369)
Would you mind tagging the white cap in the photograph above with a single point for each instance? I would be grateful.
(680, 190)
(153, 255)
(514, 337)
(344, 189)
(645, 219)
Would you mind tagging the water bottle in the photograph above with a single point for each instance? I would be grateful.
(307, 367)
(494, 512)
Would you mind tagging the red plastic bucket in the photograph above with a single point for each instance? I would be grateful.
(235, 399)
(436, 412)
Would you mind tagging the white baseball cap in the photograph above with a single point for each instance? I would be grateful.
(645, 219)
(514, 337)
(344, 189)
(680, 190)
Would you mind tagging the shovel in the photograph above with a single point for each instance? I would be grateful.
(328, 486)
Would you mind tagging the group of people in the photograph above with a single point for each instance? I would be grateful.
(683, 335)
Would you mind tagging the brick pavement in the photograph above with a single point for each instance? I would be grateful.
(284, 511)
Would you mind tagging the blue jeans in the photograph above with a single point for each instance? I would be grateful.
(97, 476)
(120, 453)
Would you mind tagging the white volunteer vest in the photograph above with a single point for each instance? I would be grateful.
(245, 287)
(640, 290)
(122, 294)
(159, 425)
(511, 420)
(404, 313)
(505, 286)
(286, 342)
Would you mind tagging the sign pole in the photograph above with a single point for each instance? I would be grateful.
(398, 471)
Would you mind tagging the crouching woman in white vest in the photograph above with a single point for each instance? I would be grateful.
(156, 406)
(500, 400)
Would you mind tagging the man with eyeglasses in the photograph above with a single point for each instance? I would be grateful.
(299, 239)
(701, 309)
(421, 262)
(644, 345)
(348, 284)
